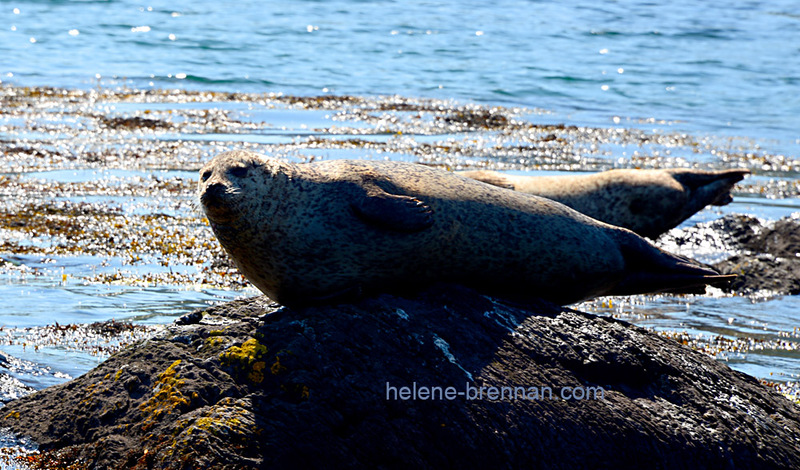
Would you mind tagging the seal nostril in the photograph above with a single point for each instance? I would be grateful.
(213, 193)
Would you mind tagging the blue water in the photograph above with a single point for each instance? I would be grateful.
(725, 68)
(721, 69)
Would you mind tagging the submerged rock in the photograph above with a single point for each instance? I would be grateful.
(449, 378)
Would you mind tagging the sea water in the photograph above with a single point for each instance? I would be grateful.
(728, 67)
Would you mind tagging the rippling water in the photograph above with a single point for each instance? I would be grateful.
(728, 70)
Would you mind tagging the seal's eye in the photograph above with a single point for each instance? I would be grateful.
(239, 171)
(206, 175)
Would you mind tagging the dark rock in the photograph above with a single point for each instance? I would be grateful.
(256, 386)
(771, 262)
(762, 273)
(190, 318)
(735, 232)
(782, 239)
(766, 258)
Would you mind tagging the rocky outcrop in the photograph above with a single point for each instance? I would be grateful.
(447, 379)
(770, 260)
(765, 257)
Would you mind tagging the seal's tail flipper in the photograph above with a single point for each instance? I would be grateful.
(709, 187)
(652, 270)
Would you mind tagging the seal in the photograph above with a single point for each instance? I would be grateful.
(649, 202)
(318, 232)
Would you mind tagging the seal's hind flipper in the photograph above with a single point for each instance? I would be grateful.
(650, 269)
(394, 212)
(709, 187)
(712, 280)
(489, 177)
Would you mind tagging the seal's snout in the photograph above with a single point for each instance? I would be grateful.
(213, 194)
(217, 200)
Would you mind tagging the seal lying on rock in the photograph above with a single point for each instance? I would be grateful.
(649, 202)
(315, 232)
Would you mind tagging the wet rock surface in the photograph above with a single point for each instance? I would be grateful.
(766, 257)
(248, 384)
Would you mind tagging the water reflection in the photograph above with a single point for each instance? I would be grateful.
(760, 337)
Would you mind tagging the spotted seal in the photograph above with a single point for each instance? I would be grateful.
(649, 202)
(312, 233)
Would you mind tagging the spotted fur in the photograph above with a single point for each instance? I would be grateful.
(314, 232)
(649, 202)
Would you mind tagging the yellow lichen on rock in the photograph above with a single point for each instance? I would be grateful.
(166, 396)
(214, 341)
(257, 374)
(229, 419)
(277, 367)
(93, 390)
(247, 357)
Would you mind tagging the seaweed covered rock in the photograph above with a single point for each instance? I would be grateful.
(449, 378)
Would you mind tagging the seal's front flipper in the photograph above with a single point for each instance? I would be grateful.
(393, 212)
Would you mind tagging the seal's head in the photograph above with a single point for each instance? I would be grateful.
(233, 181)
(221, 187)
